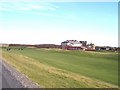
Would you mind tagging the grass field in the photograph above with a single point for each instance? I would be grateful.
(59, 68)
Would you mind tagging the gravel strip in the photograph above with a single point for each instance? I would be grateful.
(24, 80)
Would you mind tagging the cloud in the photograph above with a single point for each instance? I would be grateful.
(37, 8)
(10, 6)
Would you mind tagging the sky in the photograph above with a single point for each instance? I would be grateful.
(55, 22)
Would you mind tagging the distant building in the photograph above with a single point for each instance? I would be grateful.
(90, 47)
(105, 48)
(73, 45)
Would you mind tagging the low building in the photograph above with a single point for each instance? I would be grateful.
(73, 45)
(105, 48)
(90, 47)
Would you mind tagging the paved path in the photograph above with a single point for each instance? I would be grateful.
(9, 81)
(11, 78)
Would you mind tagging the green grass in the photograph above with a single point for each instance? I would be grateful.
(101, 66)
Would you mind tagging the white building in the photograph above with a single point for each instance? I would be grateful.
(73, 45)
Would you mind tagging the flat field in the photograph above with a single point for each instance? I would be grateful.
(56, 68)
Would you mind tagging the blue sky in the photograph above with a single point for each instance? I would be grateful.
(50, 22)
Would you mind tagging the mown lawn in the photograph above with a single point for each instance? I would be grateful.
(58, 68)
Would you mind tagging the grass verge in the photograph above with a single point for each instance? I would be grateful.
(51, 77)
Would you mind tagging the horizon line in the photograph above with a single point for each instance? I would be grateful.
(51, 44)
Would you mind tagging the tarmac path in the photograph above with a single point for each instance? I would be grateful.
(9, 81)
(11, 78)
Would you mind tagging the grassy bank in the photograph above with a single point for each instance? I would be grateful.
(58, 68)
